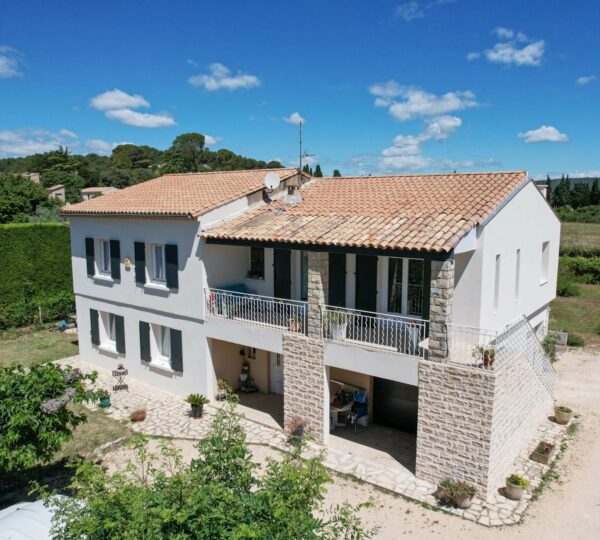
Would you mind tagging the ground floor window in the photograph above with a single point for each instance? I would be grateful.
(161, 346)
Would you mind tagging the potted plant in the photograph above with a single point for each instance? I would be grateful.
(515, 485)
(197, 402)
(120, 367)
(338, 322)
(562, 414)
(296, 429)
(456, 493)
(223, 389)
(105, 399)
(486, 354)
(138, 414)
(543, 453)
(295, 323)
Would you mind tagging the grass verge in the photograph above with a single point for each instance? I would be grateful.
(580, 234)
(34, 347)
(578, 314)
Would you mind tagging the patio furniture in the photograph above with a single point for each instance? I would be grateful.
(119, 374)
(334, 411)
(359, 409)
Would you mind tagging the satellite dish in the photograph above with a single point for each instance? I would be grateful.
(272, 180)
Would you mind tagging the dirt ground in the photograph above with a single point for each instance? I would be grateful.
(569, 508)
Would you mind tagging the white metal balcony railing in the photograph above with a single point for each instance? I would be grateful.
(473, 347)
(257, 310)
(382, 330)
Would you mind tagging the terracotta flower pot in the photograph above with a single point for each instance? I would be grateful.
(463, 501)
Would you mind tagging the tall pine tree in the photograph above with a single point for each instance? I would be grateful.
(595, 193)
(337, 173)
(318, 172)
(548, 190)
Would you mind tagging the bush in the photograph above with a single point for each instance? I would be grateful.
(566, 286)
(517, 480)
(450, 490)
(573, 340)
(549, 346)
(585, 214)
(580, 251)
(587, 268)
(53, 308)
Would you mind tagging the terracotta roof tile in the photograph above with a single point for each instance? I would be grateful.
(416, 212)
(178, 195)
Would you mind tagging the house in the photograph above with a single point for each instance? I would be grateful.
(423, 297)
(91, 192)
(57, 192)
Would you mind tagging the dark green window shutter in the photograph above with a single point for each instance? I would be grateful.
(94, 332)
(120, 333)
(140, 262)
(145, 341)
(176, 351)
(172, 266)
(115, 259)
(426, 287)
(89, 256)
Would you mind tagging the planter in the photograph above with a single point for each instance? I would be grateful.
(543, 453)
(513, 491)
(562, 417)
(463, 501)
(294, 326)
(296, 436)
(337, 331)
(138, 416)
(197, 411)
(221, 395)
(105, 402)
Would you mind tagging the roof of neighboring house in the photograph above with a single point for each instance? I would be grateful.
(179, 195)
(55, 187)
(429, 212)
(98, 189)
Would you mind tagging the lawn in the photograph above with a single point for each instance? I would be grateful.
(580, 234)
(31, 348)
(578, 314)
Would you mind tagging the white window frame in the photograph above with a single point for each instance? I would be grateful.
(545, 262)
(404, 300)
(497, 268)
(160, 346)
(108, 331)
(103, 262)
(151, 267)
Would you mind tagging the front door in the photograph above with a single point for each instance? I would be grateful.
(283, 275)
(337, 279)
(276, 373)
(366, 283)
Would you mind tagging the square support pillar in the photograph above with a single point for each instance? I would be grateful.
(440, 308)
(318, 290)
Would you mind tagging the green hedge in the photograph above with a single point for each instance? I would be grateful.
(36, 272)
(580, 251)
(585, 268)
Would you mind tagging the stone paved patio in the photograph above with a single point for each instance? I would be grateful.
(167, 415)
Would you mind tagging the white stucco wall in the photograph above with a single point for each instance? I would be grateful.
(524, 223)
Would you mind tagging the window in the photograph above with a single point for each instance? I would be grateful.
(104, 259)
(415, 287)
(257, 263)
(109, 335)
(395, 285)
(157, 266)
(545, 262)
(517, 273)
(161, 346)
(497, 284)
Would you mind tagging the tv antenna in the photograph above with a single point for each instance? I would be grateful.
(300, 154)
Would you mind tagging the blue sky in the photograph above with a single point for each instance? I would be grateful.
(415, 86)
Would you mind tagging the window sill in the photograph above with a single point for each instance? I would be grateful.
(156, 286)
(255, 278)
(108, 349)
(154, 364)
(543, 282)
(103, 277)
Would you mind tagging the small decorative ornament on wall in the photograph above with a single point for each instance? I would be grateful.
(127, 263)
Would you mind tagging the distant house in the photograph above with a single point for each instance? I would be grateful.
(93, 192)
(57, 192)
(33, 176)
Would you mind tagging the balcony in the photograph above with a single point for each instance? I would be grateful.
(264, 311)
(385, 331)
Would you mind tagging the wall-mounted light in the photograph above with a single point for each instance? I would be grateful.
(128, 264)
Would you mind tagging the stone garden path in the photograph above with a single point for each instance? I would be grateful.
(167, 415)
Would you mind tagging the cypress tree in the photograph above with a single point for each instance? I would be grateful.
(595, 193)
(318, 172)
(337, 173)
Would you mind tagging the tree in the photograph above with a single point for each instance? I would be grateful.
(595, 193)
(20, 198)
(337, 173)
(34, 418)
(562, 195)
(548, 190)
(318, 172)
(186, 152)
(71, 180)
(217, 496)
(580, 195)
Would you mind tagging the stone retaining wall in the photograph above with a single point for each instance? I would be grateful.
(304, 382)
(440, 307)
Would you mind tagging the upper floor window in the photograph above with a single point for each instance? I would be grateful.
(406, 279)
(304, 276)
(545, 262)
(415, 287)
(497, 283)
(157, 266)
(395, 271)
(257, 263)
(104, 258)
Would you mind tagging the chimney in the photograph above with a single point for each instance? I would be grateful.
(293, 195)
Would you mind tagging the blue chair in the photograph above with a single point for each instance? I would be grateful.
(360, 407)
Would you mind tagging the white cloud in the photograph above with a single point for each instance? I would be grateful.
(220, 76)
(10, 60)
(138, 119)
(418, 103)
(209, 140)
(31, 141)
(543, 134)
(294, 118)
(586, 79)
(117, 99)
(98, 146)
(410, 11)
(513, 48)
(67, 133)
(473, 56)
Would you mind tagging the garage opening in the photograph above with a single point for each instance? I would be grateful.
(256, 375)
(387, 433)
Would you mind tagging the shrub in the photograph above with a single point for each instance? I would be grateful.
(517, 480)
(549, 346)
(573, 340)
(587, 268)
(564, 409)
(196, 399)
(597, 330)
(450, 490)
(566, 286)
